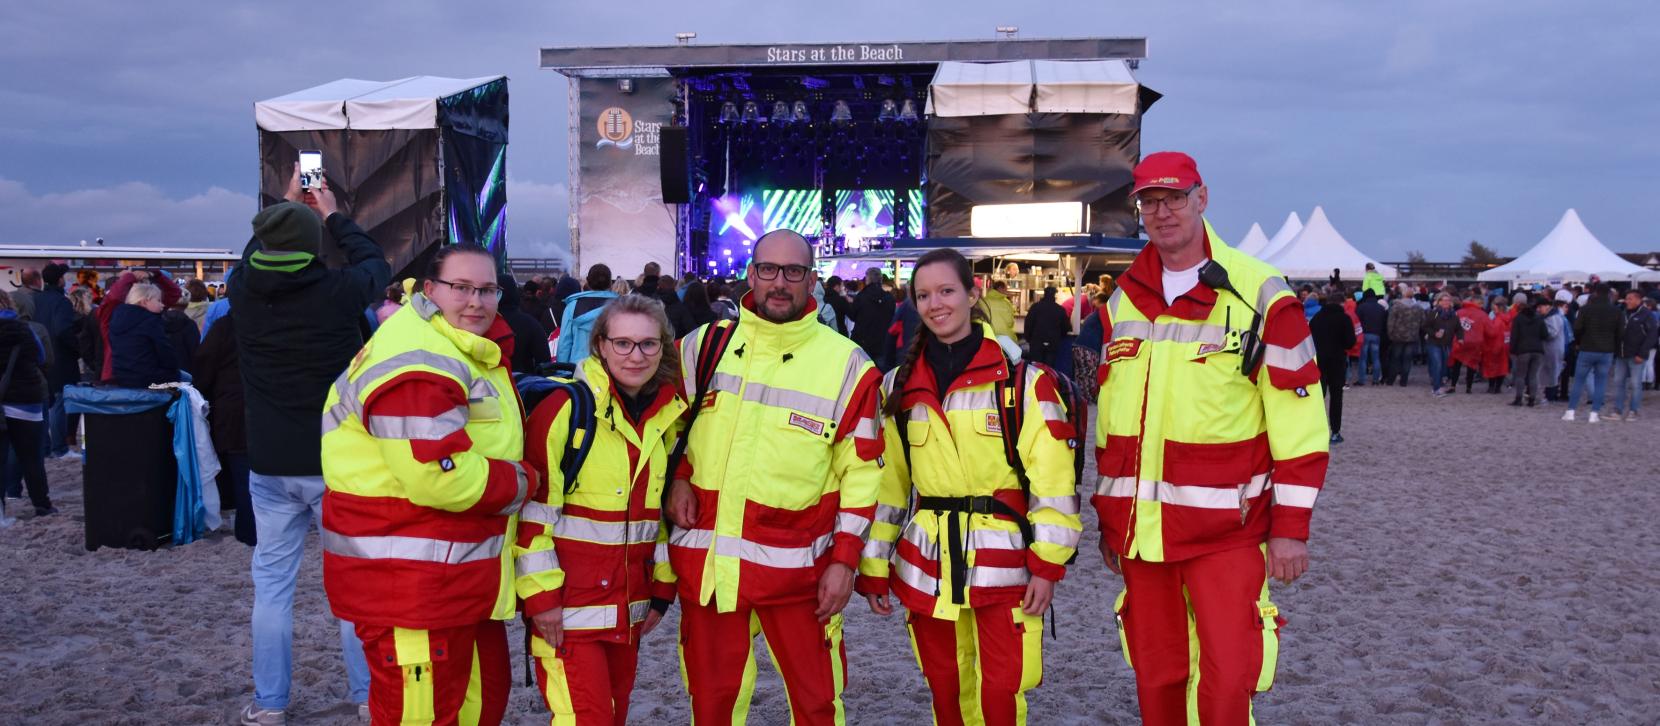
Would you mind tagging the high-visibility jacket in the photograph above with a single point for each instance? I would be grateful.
(1194, 456)
(593, 552)
(784, 459)
(957, 450)
(422, 446)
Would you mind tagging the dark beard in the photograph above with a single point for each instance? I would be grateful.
(794, 312)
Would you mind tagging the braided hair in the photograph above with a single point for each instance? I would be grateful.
(913, 352)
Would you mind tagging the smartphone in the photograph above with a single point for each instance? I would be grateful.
(311, 168)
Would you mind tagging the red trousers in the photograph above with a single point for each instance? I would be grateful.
(1201, 634)
(718, 662)
(452, 677)
(587, 683)
(979, 666)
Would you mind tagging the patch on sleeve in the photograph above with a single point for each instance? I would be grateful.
(805, 423)
(1123, 348)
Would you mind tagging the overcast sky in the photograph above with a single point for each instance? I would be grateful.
(1417, 125)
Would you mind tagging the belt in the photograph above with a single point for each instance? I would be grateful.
(970, 505)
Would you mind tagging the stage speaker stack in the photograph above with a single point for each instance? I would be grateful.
(677, 185)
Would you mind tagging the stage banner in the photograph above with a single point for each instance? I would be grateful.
(618, 197)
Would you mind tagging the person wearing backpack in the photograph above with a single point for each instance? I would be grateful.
(588, 571)
(581, 310)
(996, 503)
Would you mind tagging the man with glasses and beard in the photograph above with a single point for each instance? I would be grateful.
(774, 498)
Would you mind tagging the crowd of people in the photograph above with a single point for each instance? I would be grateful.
(1568, 345)
(134, 329)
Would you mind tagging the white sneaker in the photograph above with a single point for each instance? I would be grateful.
(1569, 415)
(1593, 418)
(255, 716)
(1614, 416)
(363, 713)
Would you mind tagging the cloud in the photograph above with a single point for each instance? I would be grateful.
(538, 217)
(129, 214)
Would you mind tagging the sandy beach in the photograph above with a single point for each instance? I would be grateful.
(1472, 563)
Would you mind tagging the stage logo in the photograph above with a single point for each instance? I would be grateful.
(616, 128)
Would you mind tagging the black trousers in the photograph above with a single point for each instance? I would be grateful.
(1331, 384)
(25, 438)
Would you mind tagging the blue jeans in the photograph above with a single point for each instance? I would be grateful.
(1628, 381)
(57, 424)
(1437, 365)
(285, 509)
(1371, 362)
(1596, 366)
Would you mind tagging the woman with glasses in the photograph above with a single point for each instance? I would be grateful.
(588, 570)
(423, 442)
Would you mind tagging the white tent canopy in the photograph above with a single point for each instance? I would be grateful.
(1017, 87)
(349, 103)
(1288, 230)
(1569, 253)
(1318, 249)
(1254, 240)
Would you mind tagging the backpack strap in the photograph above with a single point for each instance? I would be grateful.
(716, 337)
(533, 390)
(1011, 413)
(580, 439)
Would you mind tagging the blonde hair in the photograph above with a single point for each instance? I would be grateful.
(668, 366)
(137, 294)
(80, 299)
(620, 287)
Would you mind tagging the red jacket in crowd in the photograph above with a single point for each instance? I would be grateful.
(1471, 342)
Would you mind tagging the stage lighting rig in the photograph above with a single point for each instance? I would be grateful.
(729, 113)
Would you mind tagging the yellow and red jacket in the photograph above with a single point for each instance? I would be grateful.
(957, 450)
(422, 446)
(594, 552)
(1192, 452)
(784, 459)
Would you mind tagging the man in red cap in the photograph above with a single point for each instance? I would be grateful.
(1211, 448)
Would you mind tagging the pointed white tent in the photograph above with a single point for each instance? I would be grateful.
(1254, 240)
(1570, 253)
(1292, 226)
(1319, 249)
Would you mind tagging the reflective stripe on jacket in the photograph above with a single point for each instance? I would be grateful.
(957, 450)
(784, 460)
(593, 552)
(422, 447)
(1192, 452)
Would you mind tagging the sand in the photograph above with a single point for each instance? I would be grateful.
(1471, 563)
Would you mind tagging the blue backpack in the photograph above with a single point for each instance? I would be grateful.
(534, 390)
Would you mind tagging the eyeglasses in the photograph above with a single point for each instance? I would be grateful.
(625, 346)
(1174, 203)
(465, 290)
(792, 273)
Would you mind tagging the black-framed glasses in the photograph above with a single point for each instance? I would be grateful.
(1174, 203)
(792, 273)
(626, 346)
(465, 290)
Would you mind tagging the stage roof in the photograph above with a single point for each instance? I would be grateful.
(607, 61)
(350, 103)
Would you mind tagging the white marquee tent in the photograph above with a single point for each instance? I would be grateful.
(1570, 253)
(1288, 230)
(1254, 240)
(1319, 249)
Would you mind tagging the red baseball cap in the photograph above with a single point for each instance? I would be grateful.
(1166, 170)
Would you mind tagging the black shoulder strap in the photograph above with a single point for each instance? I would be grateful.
(716, 337)
(1011, 395)
(580, 439)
